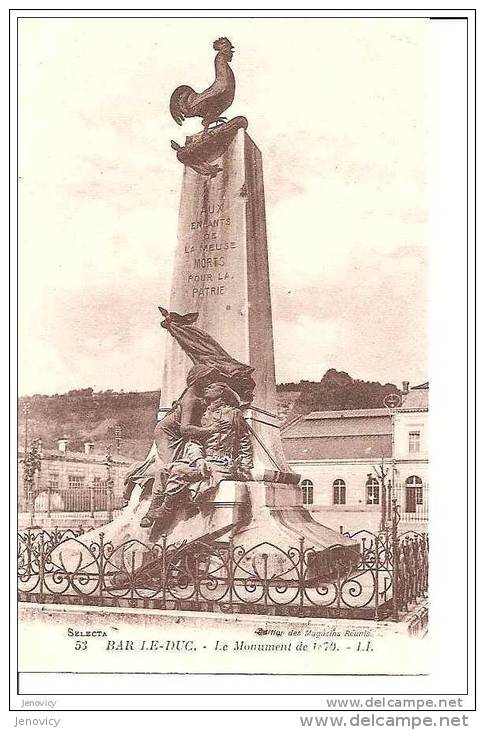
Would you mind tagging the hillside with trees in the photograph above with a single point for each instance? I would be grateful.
(85, 415)
(338, 391)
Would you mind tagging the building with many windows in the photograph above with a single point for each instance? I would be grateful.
(72, 487)
(340, 453)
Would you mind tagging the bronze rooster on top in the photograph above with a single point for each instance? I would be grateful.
(209, 104)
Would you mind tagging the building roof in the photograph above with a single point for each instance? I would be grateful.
(360, 413)
(356, 434)
(340, 423)
(416, 398)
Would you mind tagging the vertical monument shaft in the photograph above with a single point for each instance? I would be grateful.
(221, 272)
(221, 268)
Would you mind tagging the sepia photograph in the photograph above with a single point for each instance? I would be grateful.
(224, 430)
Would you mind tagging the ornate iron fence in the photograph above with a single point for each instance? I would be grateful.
(65, 566)
(88, 500)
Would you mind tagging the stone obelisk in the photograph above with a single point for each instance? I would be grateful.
(221, 271)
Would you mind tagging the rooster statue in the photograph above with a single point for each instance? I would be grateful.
(209, 104)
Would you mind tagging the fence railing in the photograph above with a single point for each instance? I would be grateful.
(385, 576)
(89, 500)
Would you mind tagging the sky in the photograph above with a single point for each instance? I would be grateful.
(339, 109)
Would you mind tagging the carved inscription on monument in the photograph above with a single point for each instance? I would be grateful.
(210, 264)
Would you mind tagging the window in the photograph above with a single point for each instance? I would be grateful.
(339, 495)
(99, 482)
(53, 482)
(414, 441)
(307, 490)
(372, 489)
(75, 481)
(414, 493)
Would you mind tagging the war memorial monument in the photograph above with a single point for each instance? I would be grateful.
(213, 517)
(217, 468)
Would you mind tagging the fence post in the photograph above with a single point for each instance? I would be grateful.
(376, 563)
(301, 568)
(49, 500)
(101, 585)
(265, 557)
(41, 564)
(91, 499)
(395, 561)
(164, 571)
(230, 569)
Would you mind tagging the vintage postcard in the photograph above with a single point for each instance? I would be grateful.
(226, 251)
